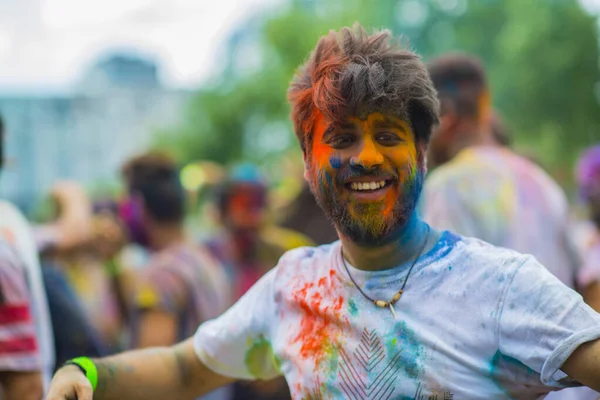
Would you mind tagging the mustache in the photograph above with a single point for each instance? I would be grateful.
(353, 171)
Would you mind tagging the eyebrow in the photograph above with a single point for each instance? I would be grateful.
(332, 128)
(389, 123)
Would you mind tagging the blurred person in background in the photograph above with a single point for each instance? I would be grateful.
(182, 285)
(26, 342)
(249, 245)
(588, 181)
(86, 317)
(20, 356)
(304, 215)
(500, 130)
(483, 189)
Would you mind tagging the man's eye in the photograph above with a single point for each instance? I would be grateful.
(341, 141)
(388, 138)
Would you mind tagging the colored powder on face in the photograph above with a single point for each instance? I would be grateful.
(260, 357)
(335, 161)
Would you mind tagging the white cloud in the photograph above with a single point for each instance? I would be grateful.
(81, 13)
(52, 41)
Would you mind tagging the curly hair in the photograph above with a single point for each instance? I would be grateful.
(352, 73)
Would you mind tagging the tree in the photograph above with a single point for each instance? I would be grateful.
(542, 58)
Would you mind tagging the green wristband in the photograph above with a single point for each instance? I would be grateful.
(89, 367)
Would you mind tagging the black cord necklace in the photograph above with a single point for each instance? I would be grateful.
(394, 300)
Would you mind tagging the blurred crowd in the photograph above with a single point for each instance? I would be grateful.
(101, 276)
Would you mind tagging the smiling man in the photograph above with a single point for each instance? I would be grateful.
(394, 309)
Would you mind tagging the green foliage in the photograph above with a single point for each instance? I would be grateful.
(542, 61)
(541, 55)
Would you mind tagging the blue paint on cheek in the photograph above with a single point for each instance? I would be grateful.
(335, 161)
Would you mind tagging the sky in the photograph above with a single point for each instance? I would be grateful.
(48, 44)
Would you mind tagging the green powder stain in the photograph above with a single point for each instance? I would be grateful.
(260, 358)
(352, 308)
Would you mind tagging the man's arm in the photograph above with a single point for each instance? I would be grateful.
(584, 365)
(160, 373)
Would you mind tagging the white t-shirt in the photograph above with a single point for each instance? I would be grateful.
(15, 229)
(475, 322)
(495, 195)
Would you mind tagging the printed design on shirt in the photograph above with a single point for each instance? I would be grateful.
(420, 395)
(365, 375)
(371, 372)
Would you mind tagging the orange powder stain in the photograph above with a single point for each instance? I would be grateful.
(321, 317)
(320, 151)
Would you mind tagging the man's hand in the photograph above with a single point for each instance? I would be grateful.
(69, 383)
(150, 374)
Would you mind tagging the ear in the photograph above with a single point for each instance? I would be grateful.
(305, 163)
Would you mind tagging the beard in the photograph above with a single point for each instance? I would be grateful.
(364, 222)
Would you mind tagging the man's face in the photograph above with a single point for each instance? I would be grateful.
(246, 207)
(366, 175)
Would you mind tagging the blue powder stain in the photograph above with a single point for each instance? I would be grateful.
(402, 339)
(335, 161)
(511, 375)
(352, 308)
(450, 268)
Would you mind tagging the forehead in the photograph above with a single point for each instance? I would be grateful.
(378, 119)
(375, 119)
(324, 128)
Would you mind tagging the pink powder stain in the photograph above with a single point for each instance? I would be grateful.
(321, 318)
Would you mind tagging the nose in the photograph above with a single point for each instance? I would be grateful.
(368, 157)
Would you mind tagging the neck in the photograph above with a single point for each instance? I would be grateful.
(405, 246)
(471, 135)
(163, 236)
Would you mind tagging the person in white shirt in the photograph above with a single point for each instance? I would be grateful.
(16, 231)
(394, 309)
(482, 188)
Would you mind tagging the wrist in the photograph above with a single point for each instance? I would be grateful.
(86, 367)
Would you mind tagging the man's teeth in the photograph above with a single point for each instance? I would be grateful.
(367, 185)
